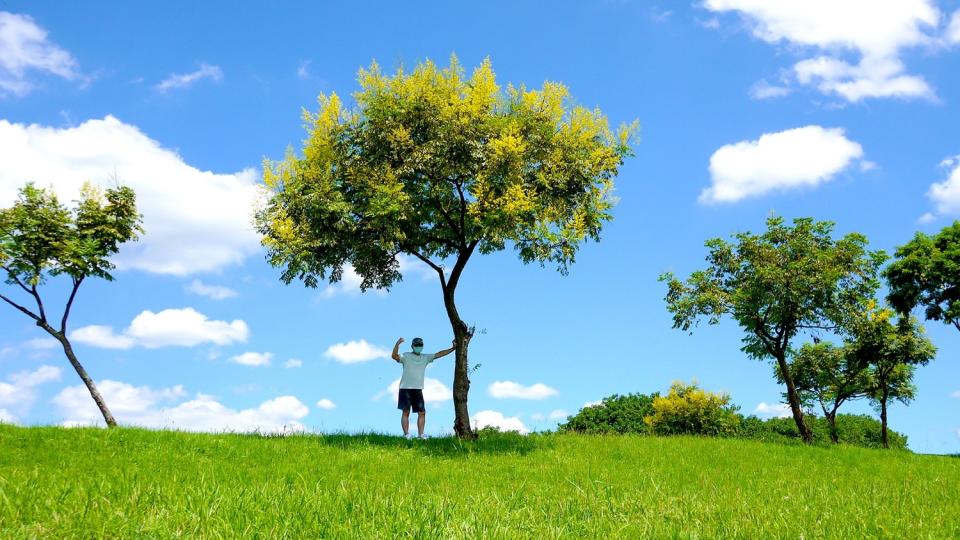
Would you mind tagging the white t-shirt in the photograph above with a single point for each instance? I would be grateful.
(414, 366)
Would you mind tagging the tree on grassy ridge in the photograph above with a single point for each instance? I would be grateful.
(41, 238)
(777, 284)
(828, 376)
(892, 352)
(926, 272)
(439, 166)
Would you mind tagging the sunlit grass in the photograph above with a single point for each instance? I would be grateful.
(129, 483)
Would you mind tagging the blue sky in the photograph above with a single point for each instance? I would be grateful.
(747, 108)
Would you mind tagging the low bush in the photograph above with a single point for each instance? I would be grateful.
(615, 414)
(690, 410)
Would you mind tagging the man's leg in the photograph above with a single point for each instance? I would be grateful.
(405, 422)
(421, 421)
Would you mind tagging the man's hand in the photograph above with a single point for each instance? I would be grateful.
(396, 350)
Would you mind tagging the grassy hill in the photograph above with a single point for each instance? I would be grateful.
(129, 483)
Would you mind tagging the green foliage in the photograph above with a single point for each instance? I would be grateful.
(926, 272)
(39, 236)
(434, 163)
(161, 484)
(828, 376)
(689, 410)
(853, 429)
(615, 414)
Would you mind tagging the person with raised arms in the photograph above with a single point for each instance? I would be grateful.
(411, 382)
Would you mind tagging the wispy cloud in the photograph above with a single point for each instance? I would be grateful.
(185, 80)
(24, 49)
(215, 292)
(510, 389)
(353, 352)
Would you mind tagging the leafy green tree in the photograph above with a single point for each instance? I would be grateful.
(439, 166)
(926, 272)
(41, 238)
(892, 352)
(688, 409)
(828, 376)
(615, 414)
(777, 284)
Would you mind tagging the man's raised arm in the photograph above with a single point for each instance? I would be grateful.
(396, 350)
(445, 351)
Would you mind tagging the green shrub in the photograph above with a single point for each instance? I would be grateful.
(854, 429)
(690, 410)
(615, 414)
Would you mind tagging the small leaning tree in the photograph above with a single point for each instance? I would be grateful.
(788, 280)
(41, 238)
(439, 166)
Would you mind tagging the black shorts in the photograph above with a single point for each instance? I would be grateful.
(411, 398)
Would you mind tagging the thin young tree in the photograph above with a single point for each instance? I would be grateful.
(892, 352)
(40, 239)
(828, 376)
(775, 285)
(439, 166)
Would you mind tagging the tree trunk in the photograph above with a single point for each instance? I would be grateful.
(794, 399)
(883, 419)
(94, 393)
(832, 420)
(461, 370)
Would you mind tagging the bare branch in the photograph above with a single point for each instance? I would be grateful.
(36, 296)
(431, 264)
(15, 279)
(21, 308)
(66, 311)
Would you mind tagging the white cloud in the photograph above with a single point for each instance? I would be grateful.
(593, 403)
(24, 48)
(20, 393)
(510, 389)
(496, 419)
(293, 363)
(326, 404)
(184, 232)
(7, 417)
(945, 195)
(303, 70)
(252, 359)
(349, 284)
(168, 408)
(215, 292)
(37, 377)
(169, 328)
(873, 32)
(353, 352)
(765, 90)
(559, 414)
(434, 391)
(791, 159)
(779, 410)
(184, 80)
(953, 31)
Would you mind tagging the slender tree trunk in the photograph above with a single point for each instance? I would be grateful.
(832, 420)
(794, 399)
(461, 370)
(883, 419)
(94, 393)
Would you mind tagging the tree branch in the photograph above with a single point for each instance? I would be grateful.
(431, 264)
(15, 279)
(36, 296)
(66, 311)
(21, 308)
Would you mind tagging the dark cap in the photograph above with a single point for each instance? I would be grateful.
(417, 342)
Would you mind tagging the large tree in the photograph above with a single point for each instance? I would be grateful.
(892, 352)
(926, 272)
(41, 238)
(775, 285)
(439, 166)
(828, 376)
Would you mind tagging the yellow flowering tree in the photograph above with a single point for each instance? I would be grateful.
(439, 166)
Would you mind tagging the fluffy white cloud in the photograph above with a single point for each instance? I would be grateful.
(779, 410)
(7, 417)
(169, 408)
(434, 391)
(184, 233)
(496, 419)
(252, 359)
(874, 32)
(593, 403)
(20, 392)
(945, 195)
(215, 292)
(184, 80)
(169, 328)
(293, 363)
(353, 352)
(24, 48)
(510, 389)
(326, 404)
(953, 31)
(791, 159)
(765, 90)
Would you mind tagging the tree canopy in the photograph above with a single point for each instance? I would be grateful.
(926, 272)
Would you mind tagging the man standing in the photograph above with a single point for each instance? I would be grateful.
(411, 382)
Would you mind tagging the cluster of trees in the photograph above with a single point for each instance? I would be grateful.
(797, 281)
(690, 410)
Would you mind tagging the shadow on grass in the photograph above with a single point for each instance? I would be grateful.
(449, 447)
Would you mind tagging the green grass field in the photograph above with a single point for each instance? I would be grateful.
(129, 483)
